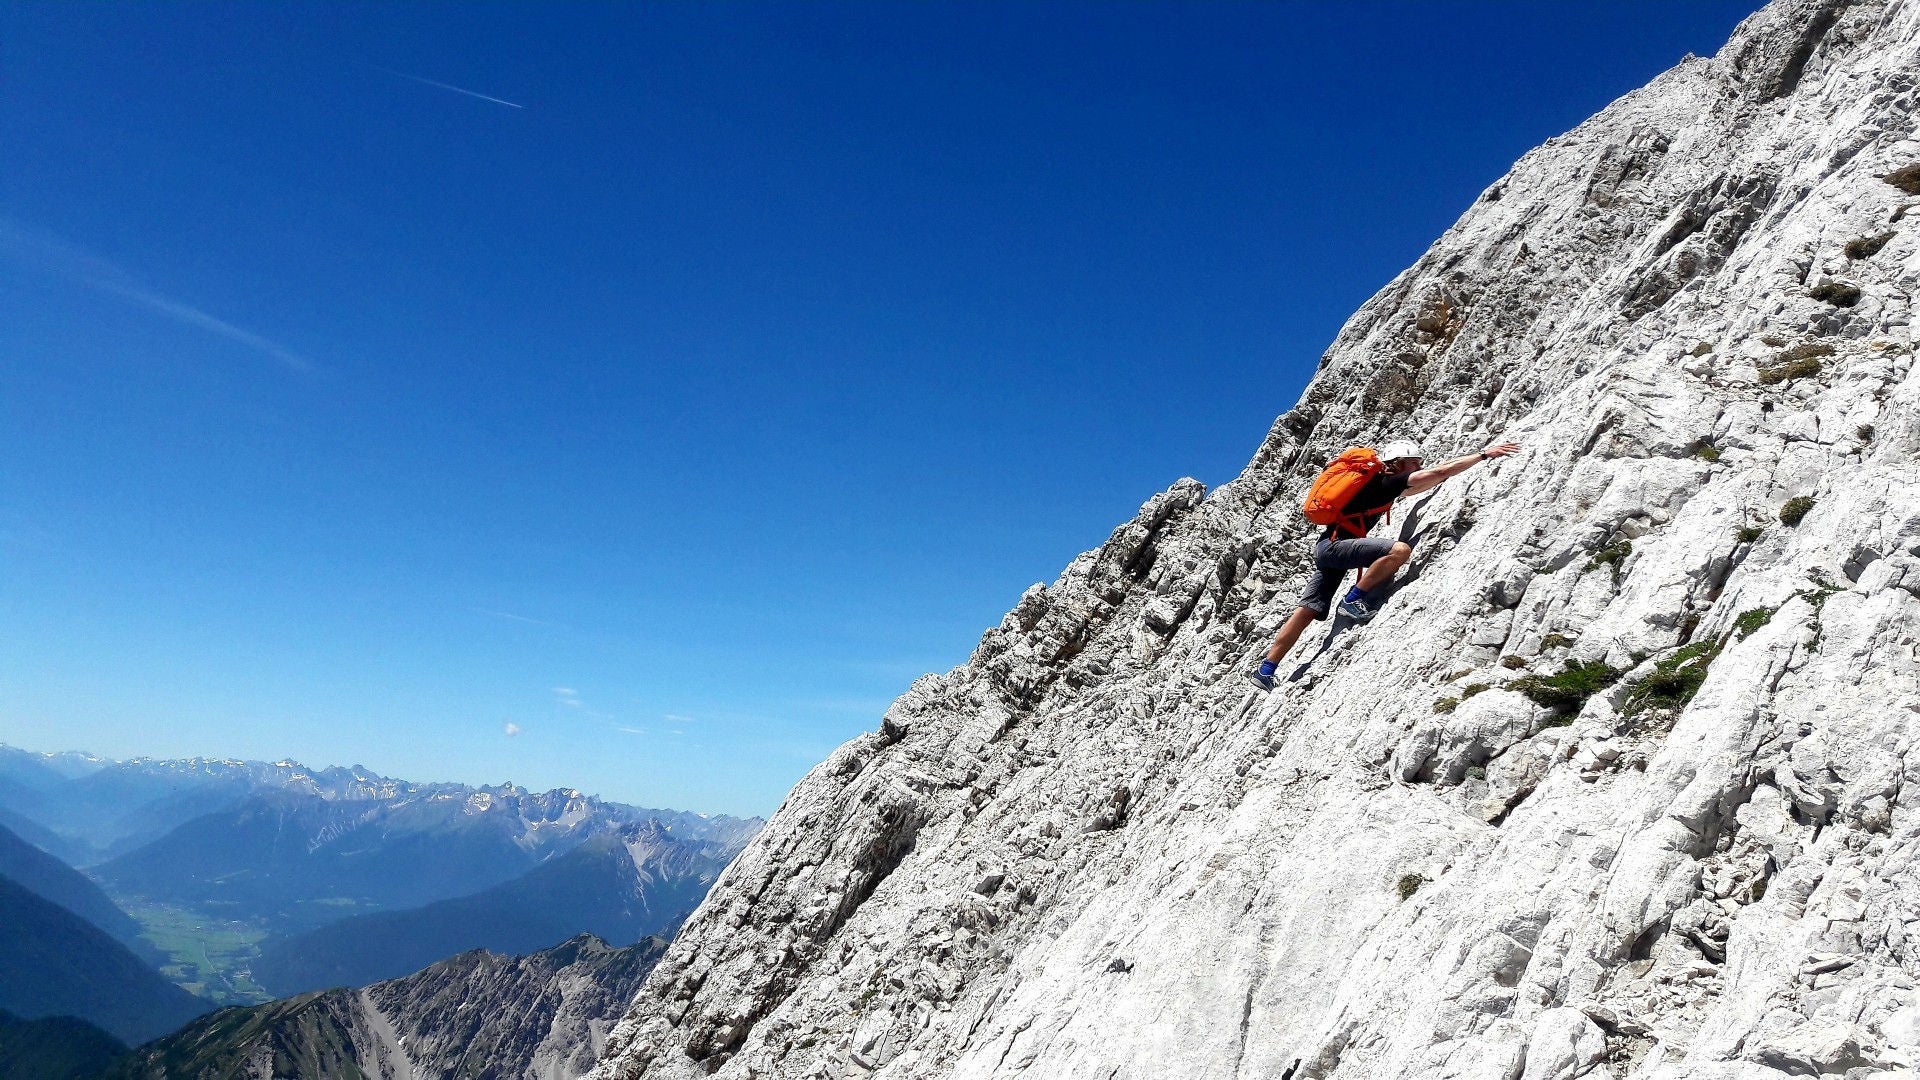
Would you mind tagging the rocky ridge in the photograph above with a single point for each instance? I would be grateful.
(476, 1016)
(1613, 786)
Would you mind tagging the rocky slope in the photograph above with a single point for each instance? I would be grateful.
(54, 1048)
(54, 963)
(57, 883)
(477, 1016)
(1093, 852)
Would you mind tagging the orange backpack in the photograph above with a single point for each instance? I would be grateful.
(1336, 486)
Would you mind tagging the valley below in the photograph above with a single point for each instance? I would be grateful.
(258, 885)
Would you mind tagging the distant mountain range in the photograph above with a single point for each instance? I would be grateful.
(296, 859)
(250, 878)
(219, 860)
(95, 808)
(620, 886)
(98, 809)
(476, 1016)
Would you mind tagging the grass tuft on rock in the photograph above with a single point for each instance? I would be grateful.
(1804, 368)
(1408, 885)
(1673, 681)
(1568, 690)
(1751, 620)
(1794, 510)
(1837, 293)
(1555, 640)
(1749, 533)
(1866, 247)
(1822, 591)
(1610, 555)
(1906, 178)
(1705, 450)
(1806, 350)
(1800, 362)
(1446, 704)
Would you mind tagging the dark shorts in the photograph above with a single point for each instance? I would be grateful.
(1331, 561)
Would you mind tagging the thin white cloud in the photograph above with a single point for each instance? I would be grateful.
(630, 730)
(676, 718)
(516, 618)
(568, 696)
(512, 729)
(50, 253)
(456, 89)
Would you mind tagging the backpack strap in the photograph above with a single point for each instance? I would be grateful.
(1357, 523)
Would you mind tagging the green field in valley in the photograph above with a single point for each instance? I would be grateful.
(208, 954)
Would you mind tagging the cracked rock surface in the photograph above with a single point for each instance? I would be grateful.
(1092, 851)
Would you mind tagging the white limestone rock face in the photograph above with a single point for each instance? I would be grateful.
(1094, 852)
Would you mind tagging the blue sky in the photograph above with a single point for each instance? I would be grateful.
(669, 385)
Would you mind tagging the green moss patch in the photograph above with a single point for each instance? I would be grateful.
(1610, 555)
(1800, 362)
(1822, 591)
(1673, 681)
(1751, 620)
(1568, 690)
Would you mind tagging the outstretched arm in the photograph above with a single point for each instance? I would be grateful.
(1424, 479)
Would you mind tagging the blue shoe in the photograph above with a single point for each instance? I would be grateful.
(1358, 609)
(1264, 682)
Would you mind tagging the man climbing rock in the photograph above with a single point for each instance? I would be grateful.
(1355, 491)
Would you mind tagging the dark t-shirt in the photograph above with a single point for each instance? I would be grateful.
(1376, 496)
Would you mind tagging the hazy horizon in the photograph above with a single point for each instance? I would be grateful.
(354, 765)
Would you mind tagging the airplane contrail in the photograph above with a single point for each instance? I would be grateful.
(455, 89)
(52, 254)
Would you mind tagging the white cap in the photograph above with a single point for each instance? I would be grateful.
(1394, 451)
